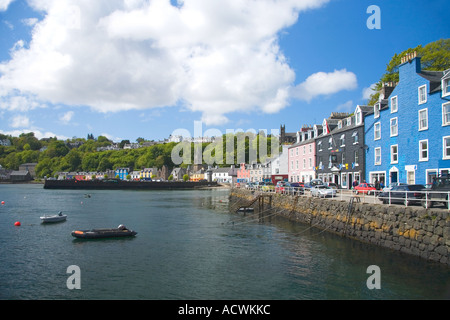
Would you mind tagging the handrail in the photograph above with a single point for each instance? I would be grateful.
(346, 194)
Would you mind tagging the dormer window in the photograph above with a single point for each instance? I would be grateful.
(340, 124)
(376, 110)
(349, 121)
(358, 117)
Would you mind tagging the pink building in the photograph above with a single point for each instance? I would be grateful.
(243, 174)
(302, 157)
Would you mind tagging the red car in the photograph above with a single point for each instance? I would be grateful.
(365, 188)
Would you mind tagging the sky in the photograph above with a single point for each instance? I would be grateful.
(129, 69)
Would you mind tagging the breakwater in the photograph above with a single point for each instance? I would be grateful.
(412, 230)
(117, 184)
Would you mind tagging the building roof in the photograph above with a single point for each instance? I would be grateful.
(434, 77)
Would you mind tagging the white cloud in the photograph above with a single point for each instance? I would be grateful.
(322, 83)
(346, 106)
(30, 21)
(367, 92)
(20, 121)
(37, 133)
(4, 4)
(115, 55)
(66, 117)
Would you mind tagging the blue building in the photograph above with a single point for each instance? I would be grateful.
(407, 136)
(122, 173)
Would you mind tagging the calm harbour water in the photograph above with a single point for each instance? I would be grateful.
(189, 246)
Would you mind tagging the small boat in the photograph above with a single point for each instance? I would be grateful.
(120, 231)
(245, 209)
(54, 218)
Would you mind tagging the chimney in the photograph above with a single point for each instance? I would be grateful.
(387, 89)
(408, 57)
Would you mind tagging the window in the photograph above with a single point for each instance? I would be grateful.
(394, 104)
(394, 153)
(358, 116)
(310, 148)
(319, 145)
(394, 127)
(330, 143)
(296, 151)
(310, 163)
(329, 161)
(340, 124)
(422, 94)
(355, 137)
(342, 140)
(343, 158)
(423, 150)
(292, 165)
(446, 114)
(446, 87)
(446, 147)
(304, 149)
(356, 157)
(423, 119)
(377, 156)
(377, 131)
(376, 111)
(304, 163)
(296, 164)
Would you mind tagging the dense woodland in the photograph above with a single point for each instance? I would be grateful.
(53, 155)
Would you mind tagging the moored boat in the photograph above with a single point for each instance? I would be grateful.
(120, 231)
(54, 218)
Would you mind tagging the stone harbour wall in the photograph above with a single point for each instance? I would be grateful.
(413, 230)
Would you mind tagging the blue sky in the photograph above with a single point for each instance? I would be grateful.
(136, 68)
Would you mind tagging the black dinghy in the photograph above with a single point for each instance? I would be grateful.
(120, 231)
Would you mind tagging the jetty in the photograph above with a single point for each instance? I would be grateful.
(118, 184)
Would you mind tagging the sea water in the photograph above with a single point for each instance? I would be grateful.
(189, 246)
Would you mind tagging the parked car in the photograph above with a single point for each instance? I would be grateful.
(332, 185)
(268, 186)
(394, 184)
(365, 188)
(298, 188)
(282, 187)
(404, 193)
(250, 185)
(322, 191)
(312, 183)
(438, 192)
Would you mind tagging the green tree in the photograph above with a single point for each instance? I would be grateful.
(435, 56)
(57, 148)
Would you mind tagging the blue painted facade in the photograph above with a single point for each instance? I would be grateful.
(122, 173)
(408, 140)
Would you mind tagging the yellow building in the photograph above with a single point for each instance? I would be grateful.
(146, 173)
(199, 175)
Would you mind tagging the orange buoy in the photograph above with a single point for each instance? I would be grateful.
(17, 223)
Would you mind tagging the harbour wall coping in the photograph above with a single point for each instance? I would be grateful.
(413, 230)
